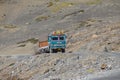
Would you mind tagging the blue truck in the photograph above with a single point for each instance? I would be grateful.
(56, 43)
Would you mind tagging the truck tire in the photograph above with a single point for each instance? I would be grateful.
(63, 50)
(53, 51)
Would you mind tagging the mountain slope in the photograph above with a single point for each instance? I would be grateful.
(24, 20)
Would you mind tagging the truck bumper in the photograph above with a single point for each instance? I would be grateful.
(58, 47)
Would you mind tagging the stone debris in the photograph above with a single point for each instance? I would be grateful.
(103, 66)
(58, 66)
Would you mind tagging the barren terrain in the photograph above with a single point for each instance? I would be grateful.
(93, 38)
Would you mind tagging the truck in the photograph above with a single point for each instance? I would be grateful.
(56, 42)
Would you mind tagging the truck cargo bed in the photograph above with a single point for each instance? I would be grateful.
(43, 44)
(43, 47)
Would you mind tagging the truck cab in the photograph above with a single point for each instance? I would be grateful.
(57, 42)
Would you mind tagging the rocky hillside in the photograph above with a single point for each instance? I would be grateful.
(91, 24)
(68, 66)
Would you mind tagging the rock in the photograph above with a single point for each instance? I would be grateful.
(105, 49)
(70, 51)
(27, 23)
(109, 67)
(46, 71)
(14, 78)
(103, 66)
(94, 36)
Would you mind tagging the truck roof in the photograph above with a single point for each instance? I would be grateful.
(56, 33)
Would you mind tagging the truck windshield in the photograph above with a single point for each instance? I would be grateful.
(54, 38)
(58, 38)
(61, 38)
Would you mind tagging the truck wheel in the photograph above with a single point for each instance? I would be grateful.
(54, 50)
(63, 50)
